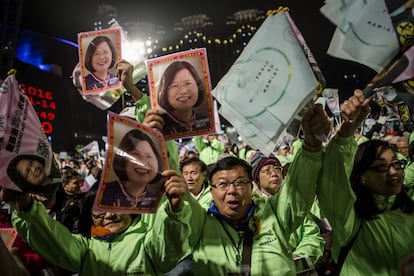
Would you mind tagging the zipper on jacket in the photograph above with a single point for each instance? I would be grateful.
(110, 246)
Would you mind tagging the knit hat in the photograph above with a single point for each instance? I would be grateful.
(259, 160)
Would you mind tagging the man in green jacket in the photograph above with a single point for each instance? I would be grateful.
(239, 235)
(129, 246)
(194, 172)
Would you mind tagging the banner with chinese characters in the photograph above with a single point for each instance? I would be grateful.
(364, 33)
(270, 82)
(26, 157)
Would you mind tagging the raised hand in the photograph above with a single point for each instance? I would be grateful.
(125, 71)
(354, 111)
(154, 119)
(22, 201)
(315, 124)
(175, 188)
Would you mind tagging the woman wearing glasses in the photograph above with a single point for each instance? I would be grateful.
(361, 193)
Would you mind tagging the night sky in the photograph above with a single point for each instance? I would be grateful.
(65, 19)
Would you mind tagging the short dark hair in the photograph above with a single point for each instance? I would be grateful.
(228, 163)
(68, 175)
(127, 144)
(92, 48)
(168, 77)
(195, 160)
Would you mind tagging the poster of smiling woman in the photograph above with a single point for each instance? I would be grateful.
(180, 86)
(98, 54)
(131, 180)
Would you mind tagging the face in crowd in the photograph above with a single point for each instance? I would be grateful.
(231, 187)
(377, 169)
(71, 182)
(195, 173)
(114, 223)
(402, 145)
(270, 178)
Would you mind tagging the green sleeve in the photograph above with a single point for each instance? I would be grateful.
(409, 175)
(335, 195)
(198, 217)
(218, 146)
(167, 242)
(49, 238)
(409, 179)
(297, 194)
(307, 241)
(141, 108)
(198, 143)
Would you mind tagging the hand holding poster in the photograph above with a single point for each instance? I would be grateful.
(180, 85)
(26, 157)
(131, 179)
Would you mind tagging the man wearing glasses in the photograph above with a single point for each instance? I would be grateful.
(241, 235)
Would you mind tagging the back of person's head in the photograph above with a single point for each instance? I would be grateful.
(365, 204)
(259, 160)
(127, 145)
(229, 163)
(92, 48)
(68, 175)
(168, 77)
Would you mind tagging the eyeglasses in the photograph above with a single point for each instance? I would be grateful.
(398, 165)
(224, 186)
(99, 216)
(268, 170)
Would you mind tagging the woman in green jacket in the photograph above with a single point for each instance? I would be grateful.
(360, 191)
(306, 241)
